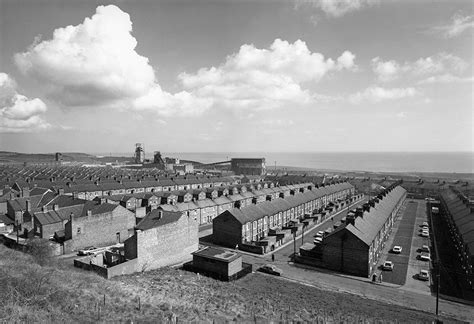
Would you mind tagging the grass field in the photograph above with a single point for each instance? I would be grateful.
(57, 293)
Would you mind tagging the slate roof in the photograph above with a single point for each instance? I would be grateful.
(153, 219)
(368, 226)
(462, 217)
(267, 208)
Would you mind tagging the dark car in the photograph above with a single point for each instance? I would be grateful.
(87, 250)
(270, 269)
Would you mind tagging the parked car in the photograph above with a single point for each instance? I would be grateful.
(397, 249)
(318, 240)
(425, 224)
(87, 250)
(387, 265)
(425, 256)
(425, 248)
(270, 269)
(425, 234)
(424, 275)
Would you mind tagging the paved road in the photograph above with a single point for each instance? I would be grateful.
(415, 265)
(403, 237)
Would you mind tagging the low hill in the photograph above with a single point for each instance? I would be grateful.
(56, 292)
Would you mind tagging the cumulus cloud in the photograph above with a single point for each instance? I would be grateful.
(338, 8)
(375, 94)
(264, 78)
(432, 65)
(459, 24)
(17, 112)
(96, 64)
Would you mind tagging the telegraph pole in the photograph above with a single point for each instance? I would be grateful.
(294, 246)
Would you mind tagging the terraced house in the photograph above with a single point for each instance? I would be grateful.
(255, 222)
(356, 245)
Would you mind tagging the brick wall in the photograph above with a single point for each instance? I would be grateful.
(346, 253)
(101, 229)
(226, 230)
(167, 245)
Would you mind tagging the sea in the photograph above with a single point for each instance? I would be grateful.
(437, 162)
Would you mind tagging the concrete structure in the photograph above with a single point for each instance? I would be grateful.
(355, 246)
(248, 166)
(218, 263)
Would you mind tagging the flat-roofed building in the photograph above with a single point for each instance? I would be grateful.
(248, 166)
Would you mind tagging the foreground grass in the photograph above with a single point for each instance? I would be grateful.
(57, 293)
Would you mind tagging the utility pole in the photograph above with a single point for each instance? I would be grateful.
(437, 289)
(302, 236)
(294, 246)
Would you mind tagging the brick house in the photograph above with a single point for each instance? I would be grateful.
(99, 225)
(355, 247)
(161, 239)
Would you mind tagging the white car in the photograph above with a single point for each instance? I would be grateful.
(318, 240)
(424, 275)
(425, 234)
(425, 224)
(425, 257)
(397, 249)
(387, 265)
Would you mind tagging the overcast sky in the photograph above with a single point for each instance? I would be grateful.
(219, 76)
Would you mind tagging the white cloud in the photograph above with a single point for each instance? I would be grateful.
(264, 78)
(459, 23)
(95, 64)
(402, 114)
(377, 94)
(17, 112)
(385, 71)
(278, 122)
(436, 64)
(338, 8)
(446, 78)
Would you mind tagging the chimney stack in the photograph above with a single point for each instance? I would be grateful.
(25, 192)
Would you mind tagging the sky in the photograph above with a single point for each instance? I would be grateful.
(236, 76)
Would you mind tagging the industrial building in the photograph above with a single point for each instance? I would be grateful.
(248, 166)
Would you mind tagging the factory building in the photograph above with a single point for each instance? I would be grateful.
(248, 166)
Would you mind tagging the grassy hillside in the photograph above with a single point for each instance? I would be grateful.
(59, 293)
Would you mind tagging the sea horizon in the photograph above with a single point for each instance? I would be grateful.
(446, 162)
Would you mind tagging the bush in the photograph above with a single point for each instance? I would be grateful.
(41, 250)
